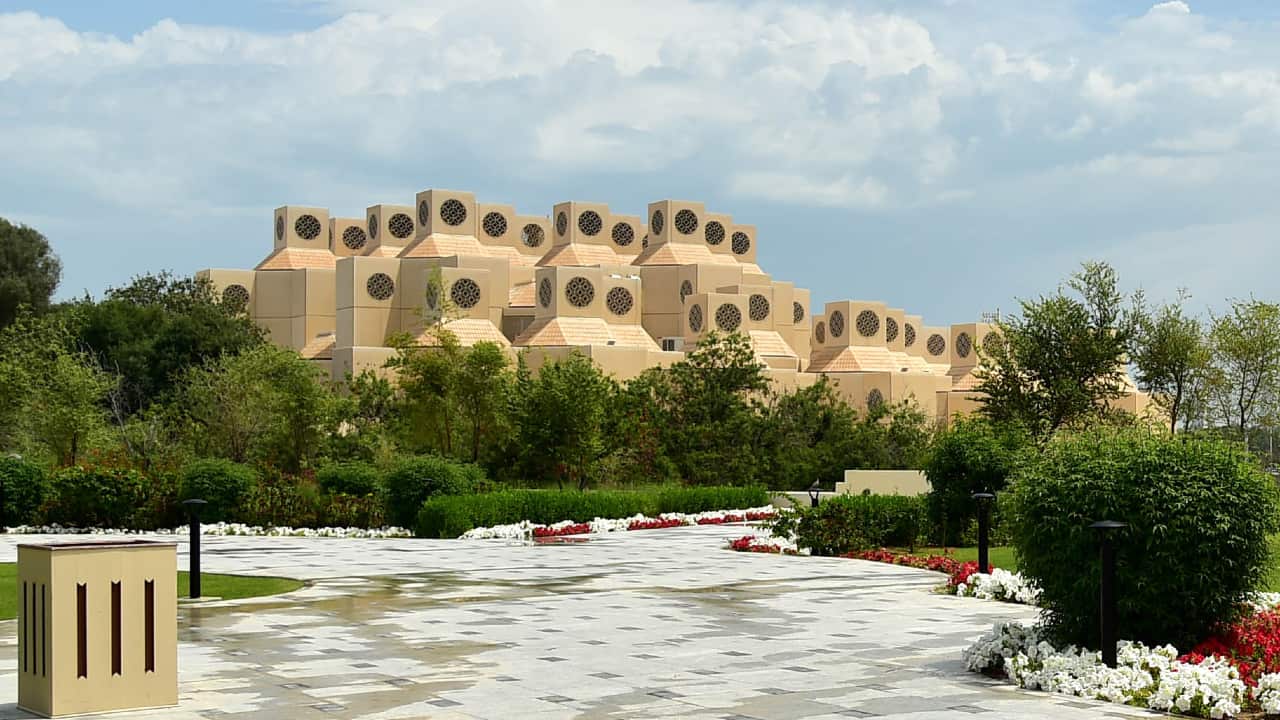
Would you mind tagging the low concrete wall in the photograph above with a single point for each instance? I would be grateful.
(883, 482)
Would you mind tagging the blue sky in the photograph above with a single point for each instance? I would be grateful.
(946, 156)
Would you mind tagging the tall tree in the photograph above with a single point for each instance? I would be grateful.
(484, 384)
(1245, 346)
(562, 419)
(1061, 359)
(1171, 359)
(29, 271)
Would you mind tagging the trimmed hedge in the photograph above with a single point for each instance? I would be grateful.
(25, 486)
(450, 516)
(849, 523)
(416, 479)
(221, 483)
(96, 497)
(1199, 512)
(349, 478)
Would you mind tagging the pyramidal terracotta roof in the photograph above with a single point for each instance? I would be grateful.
(581, 255)
(320, 348)
(854, 359)
(442, 245)
(510, 254)
(770, 343)
(469, 331)
(585, 331)
(291, 258)
(681, 254)
(522, 295)
(385, 251)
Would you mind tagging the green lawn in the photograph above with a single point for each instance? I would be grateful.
(227, 587)
(1001, 557)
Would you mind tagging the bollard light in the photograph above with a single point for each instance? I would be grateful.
(1107, 593)
(815, 491)
(194, 506)
(984, 528)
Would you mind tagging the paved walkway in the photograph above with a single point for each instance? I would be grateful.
(652, 624)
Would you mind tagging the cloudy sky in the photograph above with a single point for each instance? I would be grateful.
(946, 156)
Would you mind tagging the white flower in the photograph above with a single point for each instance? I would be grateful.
(1000, 584)
(524, 531)
(220, 528)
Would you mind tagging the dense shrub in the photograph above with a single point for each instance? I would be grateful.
(95, 497)
(1198, 513)
(221, 483)
(452, 516)
(848, 523)
(24, 485)
(343, 510)
(415, 479)
(350, 478)
(970, 456)
(279, 499)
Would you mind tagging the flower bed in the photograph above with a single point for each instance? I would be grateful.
(525, 531)
(221, 528)
(755, 544)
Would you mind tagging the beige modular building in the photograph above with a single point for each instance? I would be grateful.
(629, 292)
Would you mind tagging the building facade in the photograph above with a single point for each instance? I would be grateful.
(629, 292)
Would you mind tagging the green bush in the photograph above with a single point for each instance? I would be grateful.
(221, 483)
(279, 499)
(848, 523)
(1198, 513)
(349, 478)
(25, 486)
(95, 497)
(415, 479)
(970, 456)
(446, 517)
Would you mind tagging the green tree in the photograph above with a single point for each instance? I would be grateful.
(711, 405)
(484, 382)
(157, 326)
(427, 376)
(1171, 358)
(1245, 380)
(29, 271)
(1061, 359)
(971, 455)
(561, 419)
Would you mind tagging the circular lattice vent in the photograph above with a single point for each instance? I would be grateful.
(236, 296)
(589, 222)
(686, 222)
(686, 289)
(453, 212)
(868, 323)
(544, 292)
(936, 345)
(820, 331)
(644, 243)
(579, 292)
(623, 234)
(400, 225)
(656, 222)
(380, 286)
(373, 226)
(619, 301)
(424, 213)
(465, 293)
(797, 313)
(758, 308)
(280, 227)
(562, 224)
(964, 345)
(909, 335)
(836, 324)
(875, 398)
(741, 243)
(494, 224)
(354, 237)
(890, 329)
(728, 317)
(695, 318)
(307, 227)
(714, 233)
(532, 235)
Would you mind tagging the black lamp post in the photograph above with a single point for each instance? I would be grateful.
(815, 490)
(984, 528)
(194, 506)
(1107, 595)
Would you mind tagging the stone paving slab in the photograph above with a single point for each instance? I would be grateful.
(651, 624)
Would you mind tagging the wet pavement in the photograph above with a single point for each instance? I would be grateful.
(649, 624)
